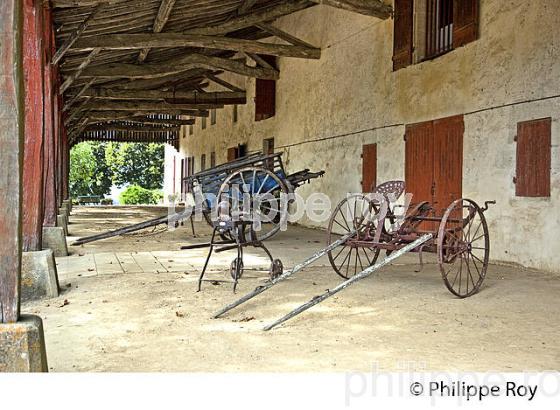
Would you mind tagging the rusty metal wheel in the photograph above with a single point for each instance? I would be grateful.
(463, 247)
(353, 213)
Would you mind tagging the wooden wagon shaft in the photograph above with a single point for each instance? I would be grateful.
(177, 217)
(260, 289)
(163, 15)
(363, 274)
(186, 97)
(174, 40)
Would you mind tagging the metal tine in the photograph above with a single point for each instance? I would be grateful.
(260, 289)
(363, 274)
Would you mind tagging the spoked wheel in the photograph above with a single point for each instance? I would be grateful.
(354, 213)
(463, 247)
(254, 194)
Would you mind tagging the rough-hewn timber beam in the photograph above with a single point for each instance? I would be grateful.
(250, 19)
(82, 3)
(149, 121)
(147, 106)
(163, 15)
(282, 35)
(102, 116)
(72, 77)
(75, 35)
(76, 97)
(173, 40)
(223, 83)
(125, 128)
(375, 8)
(177, 65)
(188, 97)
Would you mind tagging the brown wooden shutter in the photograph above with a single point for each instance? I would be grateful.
(533, 158)
(369, 167)
(265, 94)
(465, 22)
(403, 38)
(231, 153)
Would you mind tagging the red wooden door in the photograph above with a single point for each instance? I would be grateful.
(369, 167)
(434, 163)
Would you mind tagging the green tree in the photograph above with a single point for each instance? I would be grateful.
(139, 164)
(89, 173)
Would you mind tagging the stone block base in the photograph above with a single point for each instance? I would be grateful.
(62, 220)
(22, 346)
(54, 238)
(39, 278)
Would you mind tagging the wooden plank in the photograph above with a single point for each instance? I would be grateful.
(375, 8)
(32, 222)
(173, 40)
(11, 138)
(403, 34)
(163, 15)
(75, 35)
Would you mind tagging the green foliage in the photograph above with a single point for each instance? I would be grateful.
(139, 164)
(89, 174)
(135, 195)
(95, 167)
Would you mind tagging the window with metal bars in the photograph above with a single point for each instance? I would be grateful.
(439, 27)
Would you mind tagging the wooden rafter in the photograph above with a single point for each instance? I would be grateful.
(375, 8)
(71, 78)
(181, 64)
(189, 97)
(75, 35)
(164, 12)
(173, 40)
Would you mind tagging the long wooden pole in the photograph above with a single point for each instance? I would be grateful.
(12, 123)
(363, 274)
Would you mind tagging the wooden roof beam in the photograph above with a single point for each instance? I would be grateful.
(190, 97)
(174, 40)
(178, 65)
(124, 127)
(150, 106)
(163, 15)
(375, 8)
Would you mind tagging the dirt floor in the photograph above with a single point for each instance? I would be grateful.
(129, 304)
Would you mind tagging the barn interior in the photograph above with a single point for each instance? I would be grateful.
(442, 99)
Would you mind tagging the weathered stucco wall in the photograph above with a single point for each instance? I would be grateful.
(327, 109)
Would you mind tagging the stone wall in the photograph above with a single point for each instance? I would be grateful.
(328, 108)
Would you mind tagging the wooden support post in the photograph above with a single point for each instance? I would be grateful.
(11, 144)
(49, 188)
(32, 225)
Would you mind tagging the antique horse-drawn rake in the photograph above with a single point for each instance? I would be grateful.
(362, 226)
(242, 201)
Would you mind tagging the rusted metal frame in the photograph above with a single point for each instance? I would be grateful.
(12, 123)
(49, 188)
(32, 217)
(260, 289)
(363, 274)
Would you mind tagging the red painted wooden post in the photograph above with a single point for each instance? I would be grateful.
(33, 145)
(11, 143)
(49, 188)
